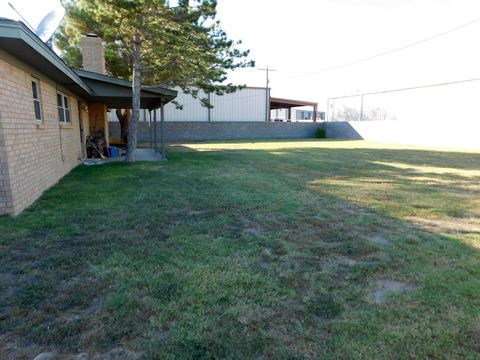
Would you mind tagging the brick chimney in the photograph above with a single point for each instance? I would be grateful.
(93, 53)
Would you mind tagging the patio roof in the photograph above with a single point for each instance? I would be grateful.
(117, 93)
(19, 41)
(279, 103)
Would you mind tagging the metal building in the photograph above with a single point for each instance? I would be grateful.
(247, 104)
(250, 104)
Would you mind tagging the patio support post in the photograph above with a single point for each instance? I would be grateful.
(162, 132)
(314, 116)
(155, 130)
(150, 131)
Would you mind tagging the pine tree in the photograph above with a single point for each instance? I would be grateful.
(180, 46)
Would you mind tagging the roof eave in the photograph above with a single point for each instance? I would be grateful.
(125, 83)
(11, 29)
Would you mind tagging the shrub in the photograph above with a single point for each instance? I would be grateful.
(320, 133)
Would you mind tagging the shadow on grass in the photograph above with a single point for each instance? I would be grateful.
(243, 253)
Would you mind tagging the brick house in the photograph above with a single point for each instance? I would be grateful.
(47, 110)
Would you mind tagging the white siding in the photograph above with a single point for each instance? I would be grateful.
(192, 108)
(243, 105)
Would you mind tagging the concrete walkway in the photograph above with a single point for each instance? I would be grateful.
(147, 155)
(140, 155)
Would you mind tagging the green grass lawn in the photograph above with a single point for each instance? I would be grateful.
(251, 250)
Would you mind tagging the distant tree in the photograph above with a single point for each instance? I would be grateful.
(180, 46)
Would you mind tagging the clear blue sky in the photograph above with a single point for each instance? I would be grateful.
(304, 36)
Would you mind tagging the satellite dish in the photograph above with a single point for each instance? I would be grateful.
(49, 25)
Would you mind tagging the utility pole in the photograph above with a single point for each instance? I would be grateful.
(361, 107)
(267, 97)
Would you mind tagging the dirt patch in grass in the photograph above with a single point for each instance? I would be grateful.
(384, 287)
(341, 260)
(253, 228)
(379, 240)
(114, 354)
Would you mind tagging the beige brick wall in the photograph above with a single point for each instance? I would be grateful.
(5, 193)
(33, 155)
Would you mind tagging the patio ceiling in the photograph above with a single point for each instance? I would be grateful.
(279, 103)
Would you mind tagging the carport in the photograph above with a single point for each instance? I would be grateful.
(288, 104)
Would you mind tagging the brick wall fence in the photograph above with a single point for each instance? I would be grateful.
(221, 130)
(462, 134)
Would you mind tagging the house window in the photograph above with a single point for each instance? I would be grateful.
(37, 105)
(63, 108)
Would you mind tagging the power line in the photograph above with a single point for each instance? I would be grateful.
(368, 58)
(406, 88)
(361, 96)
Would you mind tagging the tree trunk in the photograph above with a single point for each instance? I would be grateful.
(136, 89)
(123, 116)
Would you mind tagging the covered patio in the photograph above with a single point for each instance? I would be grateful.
(288, 104)
(111, 93)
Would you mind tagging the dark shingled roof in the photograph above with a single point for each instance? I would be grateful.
(19, 41)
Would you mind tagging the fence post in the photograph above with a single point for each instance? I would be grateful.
(361, 107)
